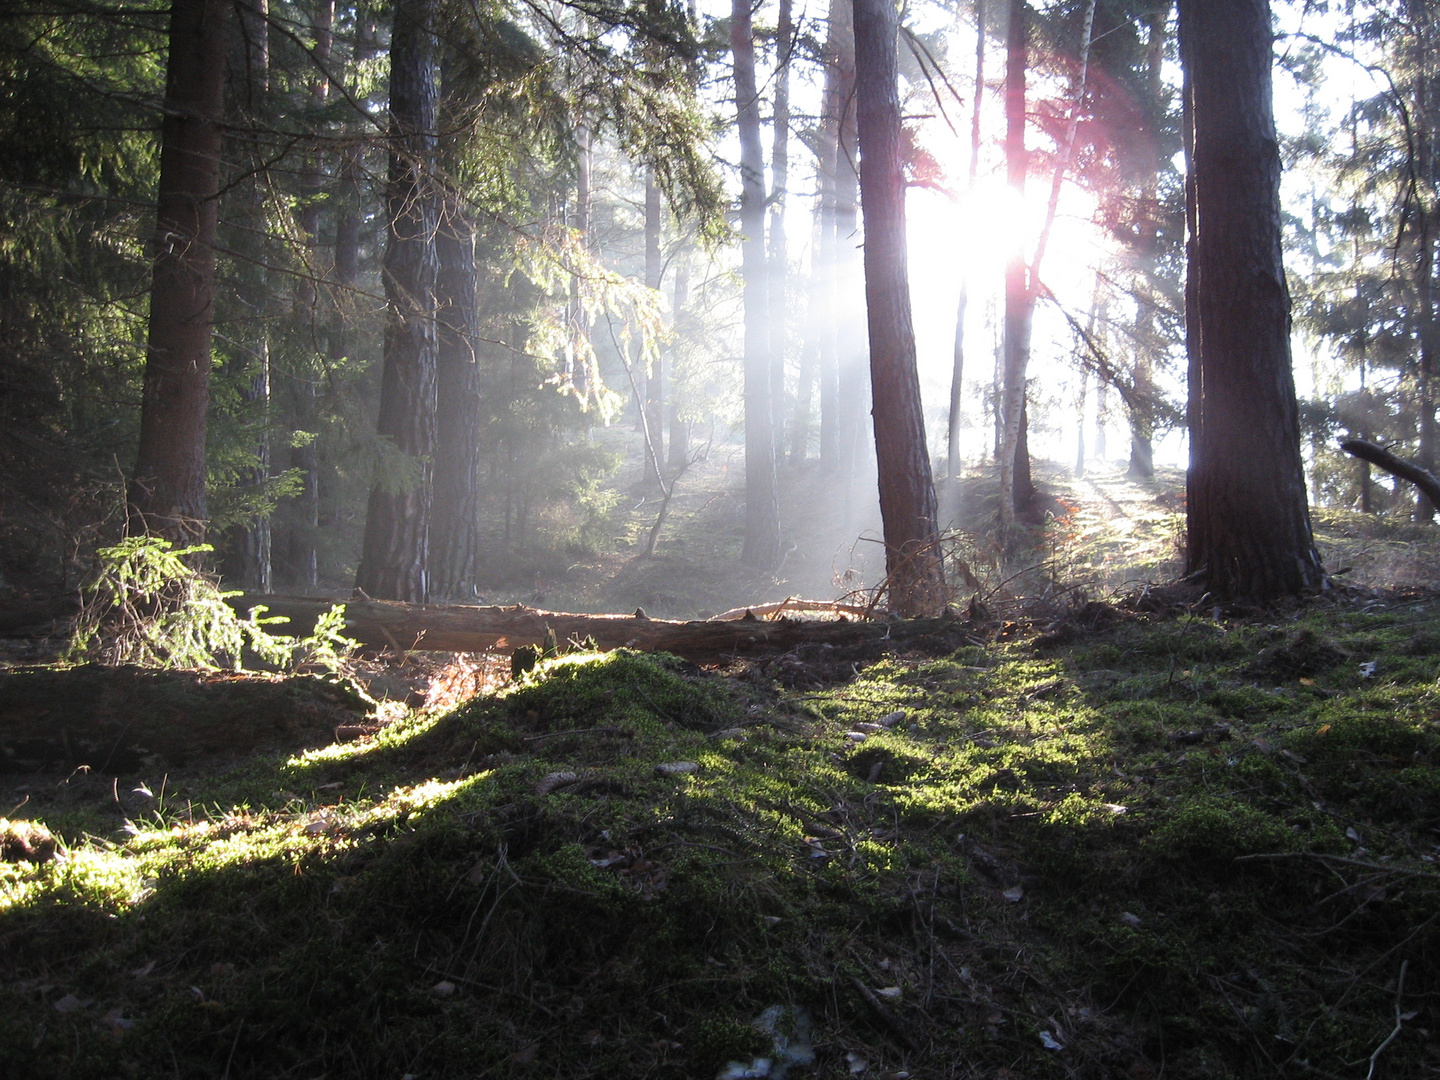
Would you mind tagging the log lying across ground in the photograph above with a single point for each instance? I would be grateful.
(463, 628)
(1421, 477)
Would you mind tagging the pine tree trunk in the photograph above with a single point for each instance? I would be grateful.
(166, 494)
(655, 381)
(825, 266)
(907, 494)
(762, 511)
(454, 510)
(853, 379)
(1248, 521)
(395, 555)
(679, 426)
(962, 304)
(778, 261)
(250, 564)
(1019, 304)
(1147, 339)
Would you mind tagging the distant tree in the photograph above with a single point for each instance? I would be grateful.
(394, 559)
(762, 511)
(1248, 523)
(907, 492)
(166, 494)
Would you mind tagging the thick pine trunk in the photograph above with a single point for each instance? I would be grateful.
(907, 493)
(762, 511)
(395, 556)
(1248, 522)
(166, 494)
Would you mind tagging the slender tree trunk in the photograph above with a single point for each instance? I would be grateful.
(655, 380)
(853, 380)
(827, 268)
(957, 369)
(578, 352)
(679, 426)
(762, 511)
(252, 541)
(305, 458)
(779, 256)
(1018, 302)
(395, 556)
(1147, 339)
(907, 493)
(1080, 427)
(1248, 522)
(166, 493)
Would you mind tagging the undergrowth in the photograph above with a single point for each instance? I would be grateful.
(1174, 847)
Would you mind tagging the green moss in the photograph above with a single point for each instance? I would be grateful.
(1214, 828)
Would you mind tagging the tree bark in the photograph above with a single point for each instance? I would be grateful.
(454, 509)
(166, 494)
(1413, 471)
(465, 628)
(762, 510)
(778, 267)
(394, 563)
(1248, 521)
(916, 582)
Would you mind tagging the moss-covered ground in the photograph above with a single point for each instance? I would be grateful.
(1138, 846)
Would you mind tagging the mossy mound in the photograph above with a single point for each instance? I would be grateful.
(1121, 858)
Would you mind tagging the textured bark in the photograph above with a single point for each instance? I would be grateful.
(762, 510)
(166, 494)
(907, 495)
(454, 510)
(394, 559)
(457, 628)
(1248, 522)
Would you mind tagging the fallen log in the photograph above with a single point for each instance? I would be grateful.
(465, 628)
(1421, 477)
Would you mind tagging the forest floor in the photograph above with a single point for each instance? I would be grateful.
(1064, 838)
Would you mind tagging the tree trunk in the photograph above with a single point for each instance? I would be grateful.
(679, 426)
(762, 511)
(395, 556)
(916, 583)
(655, 381)
(778, 261)
(1019, 305)
(957, 369)
(1248, 521)
(1425, 480)
(166, 494)
(1147, 339)
(454, 510)
(824, 265)
(251, 542)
